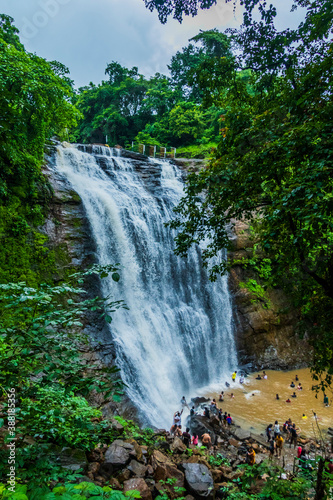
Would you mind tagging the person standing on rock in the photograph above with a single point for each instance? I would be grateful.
(183, 402)
(269, 429)
(178, 432)
(206, 412)
(293, 435)
(192, 412)
(279, 445)
(251, 456)
(213, 406)
(177, 420)
(271, 448)
(186, 437)
(206, 440)
(195, 439)
(276, 429)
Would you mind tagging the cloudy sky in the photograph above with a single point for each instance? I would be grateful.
(85, 35)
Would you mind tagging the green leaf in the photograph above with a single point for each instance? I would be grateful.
(115, 277)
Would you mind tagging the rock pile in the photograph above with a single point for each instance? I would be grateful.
(168, 465)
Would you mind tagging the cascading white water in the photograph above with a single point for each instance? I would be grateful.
(176, 338)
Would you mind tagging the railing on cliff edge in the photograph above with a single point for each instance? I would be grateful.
(154, 151)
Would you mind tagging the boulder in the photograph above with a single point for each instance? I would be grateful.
(116, 425)
(150, 470)
(178, 446)
(158, 458)
(118, 453)
(139, 485)
(241, 434)
(214, 421)
(136, 450)
(96, 455)
(100, 480)
(200, 425)
(93, 469)
(234, 442)
(132, 155)
(164, 472)
(124, 476)
(139, 470)
(72, 459)
(200, 400)
(199, 479)
(198, 459)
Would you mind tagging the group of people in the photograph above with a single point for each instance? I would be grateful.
(224, 418)
(233, 378)
(275, 439)
(292, 385)
(263, 377)
(176, 430)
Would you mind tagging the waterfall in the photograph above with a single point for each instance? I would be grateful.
(176, 338)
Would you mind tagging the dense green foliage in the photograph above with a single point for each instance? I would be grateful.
(67, 491)
(34, 105)
(161, 111)
(40, 336)
(273, 166)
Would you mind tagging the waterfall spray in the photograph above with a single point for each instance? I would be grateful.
(177, 337)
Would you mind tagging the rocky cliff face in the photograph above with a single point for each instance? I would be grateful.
(68, 230)
(265, 329)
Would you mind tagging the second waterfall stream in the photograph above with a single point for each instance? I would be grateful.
(177, 337)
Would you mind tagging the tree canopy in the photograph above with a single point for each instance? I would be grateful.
(35, 104)
(178, 8)
(273, 165)
(161, 110)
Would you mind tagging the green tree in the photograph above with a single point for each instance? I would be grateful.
(35, 104)
(178, 8)
(273, 167)
(41, 332)
(115, 108)
(182, 66)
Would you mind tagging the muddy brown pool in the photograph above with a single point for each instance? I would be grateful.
(255, 406)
